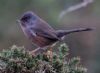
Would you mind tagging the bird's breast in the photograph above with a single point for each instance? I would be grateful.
(38, 40)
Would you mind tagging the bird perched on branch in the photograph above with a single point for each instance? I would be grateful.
(40, 32)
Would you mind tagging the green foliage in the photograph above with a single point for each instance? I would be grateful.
(63, 51)
(17, 60)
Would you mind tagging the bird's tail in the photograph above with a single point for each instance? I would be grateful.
(61, 33)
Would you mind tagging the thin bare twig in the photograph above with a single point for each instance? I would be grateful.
(75, 7)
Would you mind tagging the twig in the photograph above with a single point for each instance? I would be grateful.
(38, 51)
(75, 7)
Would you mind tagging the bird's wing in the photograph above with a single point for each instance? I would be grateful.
(42, 28)
(46, 34)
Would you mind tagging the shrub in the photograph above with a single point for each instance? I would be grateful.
(17, 60)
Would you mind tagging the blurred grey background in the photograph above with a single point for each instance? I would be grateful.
(84, 44)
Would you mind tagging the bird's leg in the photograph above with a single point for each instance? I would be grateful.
(36, 51)
(40, 50)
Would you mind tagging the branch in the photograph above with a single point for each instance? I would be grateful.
(75, 7)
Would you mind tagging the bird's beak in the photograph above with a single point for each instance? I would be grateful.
(18, 21)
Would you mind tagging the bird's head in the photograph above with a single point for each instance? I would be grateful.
(27, 18)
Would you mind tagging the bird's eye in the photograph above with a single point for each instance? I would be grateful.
(25, 18)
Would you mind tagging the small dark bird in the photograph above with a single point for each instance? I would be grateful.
(40, 32)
